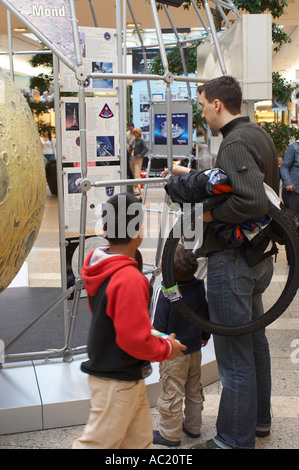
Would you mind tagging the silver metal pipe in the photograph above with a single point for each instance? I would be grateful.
(169, 127)
(12, 75)
(83, 131)
(161, 238)
(143, 47)
(180, 48)
(224, 4)
(83, 217)
(69, 356)
(60, 196)
(200, 16)
(102, 184)
(93, 13)
(141, 76)
(178, 78)
(75, 30)
(26, 52)
(215, 38)
(233, 8)
(159, 36)
(121, 94)
(169, 140)
(224, 17)
(61, 298)
(46, 354)
(128, 76)
(82, 232)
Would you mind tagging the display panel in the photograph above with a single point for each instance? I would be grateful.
(181, 128)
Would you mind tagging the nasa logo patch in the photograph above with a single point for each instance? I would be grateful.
(106, 112)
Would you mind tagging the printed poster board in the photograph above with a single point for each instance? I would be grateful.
(96, 196)
(99, 54)
(181, 128)
(102, 129)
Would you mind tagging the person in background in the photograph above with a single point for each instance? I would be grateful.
(138, 150)
(130, 135)
(289, 172)
(48, 145)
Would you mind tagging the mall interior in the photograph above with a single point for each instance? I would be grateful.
(44, 320)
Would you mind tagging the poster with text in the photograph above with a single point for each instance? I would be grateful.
(102, 125)
(96, 196)
(99, 55)
(181, 128)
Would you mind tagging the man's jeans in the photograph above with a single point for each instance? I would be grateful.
(235, 296)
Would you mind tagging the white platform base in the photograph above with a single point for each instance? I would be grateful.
(37, 395)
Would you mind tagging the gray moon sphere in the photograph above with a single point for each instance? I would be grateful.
(22, 180)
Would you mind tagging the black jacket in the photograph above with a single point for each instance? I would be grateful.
(168, 320)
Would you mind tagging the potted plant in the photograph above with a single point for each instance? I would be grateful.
(281, 90)
(281, 134)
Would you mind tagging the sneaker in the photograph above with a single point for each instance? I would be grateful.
(211, 444)
(161, 441)
(190, 434)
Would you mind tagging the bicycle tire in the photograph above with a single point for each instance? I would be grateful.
(291, 242)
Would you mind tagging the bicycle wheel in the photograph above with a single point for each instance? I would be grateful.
(287, 236)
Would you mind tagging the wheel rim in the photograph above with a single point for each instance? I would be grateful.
(291, 241)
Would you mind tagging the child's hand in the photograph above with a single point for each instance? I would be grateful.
(177, 347)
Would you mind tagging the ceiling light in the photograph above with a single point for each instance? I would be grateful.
(20, 30)
(132, 25)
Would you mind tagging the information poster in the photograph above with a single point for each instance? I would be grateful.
(99, 55)
(102, 123)
(96, 196)
(181, 128)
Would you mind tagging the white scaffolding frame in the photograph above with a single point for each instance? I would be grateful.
(67, 351)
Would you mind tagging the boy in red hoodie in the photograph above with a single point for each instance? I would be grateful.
(120, 343)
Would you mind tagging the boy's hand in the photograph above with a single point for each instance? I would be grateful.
(177, 347)
(177, 170)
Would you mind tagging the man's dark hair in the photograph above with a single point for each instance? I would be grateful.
(226, 89)
(184, 264)
(122, 216)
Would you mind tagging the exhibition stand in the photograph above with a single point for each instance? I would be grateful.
(44, 389)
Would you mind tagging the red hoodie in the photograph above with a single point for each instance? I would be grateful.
(128, 296)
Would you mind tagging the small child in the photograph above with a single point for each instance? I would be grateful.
(120, 343)
(181, 378)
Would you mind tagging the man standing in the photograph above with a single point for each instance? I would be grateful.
(289, 172)
(248, 157)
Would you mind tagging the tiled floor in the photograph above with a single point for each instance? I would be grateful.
(283, 336)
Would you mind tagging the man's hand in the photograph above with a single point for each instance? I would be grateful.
(177, 347)
(177, 170)
(290, 187)
(207, 216)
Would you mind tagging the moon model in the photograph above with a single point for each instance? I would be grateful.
(22, 181)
